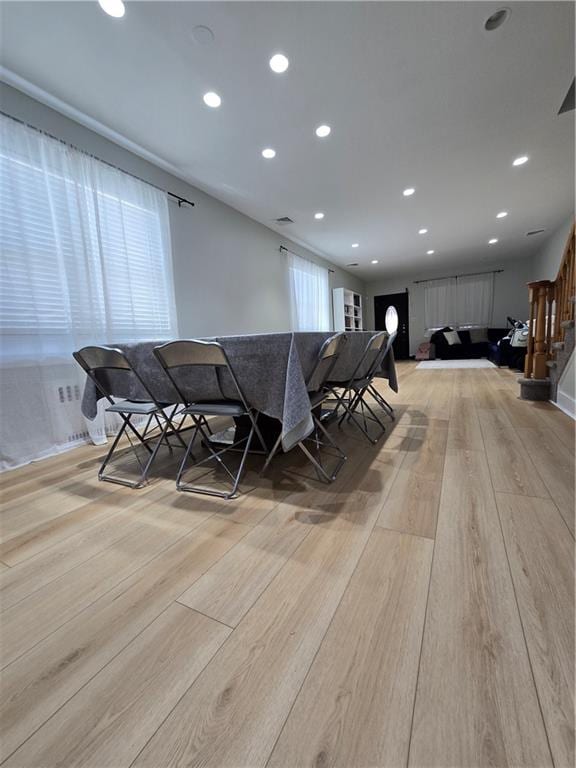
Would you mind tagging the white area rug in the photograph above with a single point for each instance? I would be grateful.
(456, 364)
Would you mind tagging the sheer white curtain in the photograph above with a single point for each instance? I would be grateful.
(85, 258)
(459, 301)
(440, 303)
(475, 297)
(309, 295)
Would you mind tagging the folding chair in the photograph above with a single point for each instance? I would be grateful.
(209, 354)
(382, 402)
(325, 363)
(99, 360)
(355, 388)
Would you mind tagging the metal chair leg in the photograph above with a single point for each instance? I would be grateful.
(359, 400)
(384, 404)
(111, 451)
(271, 454)
(241, 467)
(318, 467)
(161, 439)
(126, 423)
(214, 455)
(185, 458)
(334, 445)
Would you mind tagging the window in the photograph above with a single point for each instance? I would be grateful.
(84, 259)
(85, 250)
(459, 301)
(309, 295)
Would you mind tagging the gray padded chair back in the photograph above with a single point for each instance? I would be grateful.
(372, 355)
(188, 353)
(388, 346)
(93, 358)
(326, 361)
(100, 360)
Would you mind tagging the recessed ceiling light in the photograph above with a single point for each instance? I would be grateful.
(374, 261)
(113, 8)
(355, 245)
(319, 215)
(322, 131)
(502, 214)
(268, 153)
(202, 35)
(520, 160)
(279, 63)
(429, 253)
(409, 191)
(492, 240)
(212, 99)
(422, 231)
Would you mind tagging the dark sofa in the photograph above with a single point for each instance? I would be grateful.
(466, 350)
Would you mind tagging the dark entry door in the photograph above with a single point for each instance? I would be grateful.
(400, 302)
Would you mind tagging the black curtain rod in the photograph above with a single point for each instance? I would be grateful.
(283, 248)
(181, 200)
(466, 274)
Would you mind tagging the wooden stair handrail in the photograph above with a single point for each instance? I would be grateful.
(550, 307)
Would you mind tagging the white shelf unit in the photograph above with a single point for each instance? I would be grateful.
(347, 307)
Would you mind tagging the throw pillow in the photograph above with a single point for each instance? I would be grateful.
(452, 337)
(478, 335)
(465, 337)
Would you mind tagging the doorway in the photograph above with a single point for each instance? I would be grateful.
(399, 302)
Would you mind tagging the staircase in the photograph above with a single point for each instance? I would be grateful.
(551, 327)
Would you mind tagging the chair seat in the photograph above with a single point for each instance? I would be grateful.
(133, 406)
(359, 384)
(220, 408)
(317, 397)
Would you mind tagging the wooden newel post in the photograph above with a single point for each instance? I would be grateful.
(539, 292)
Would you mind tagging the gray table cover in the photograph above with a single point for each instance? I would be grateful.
(272, 369)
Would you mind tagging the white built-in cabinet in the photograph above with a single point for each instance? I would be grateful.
(347, 307)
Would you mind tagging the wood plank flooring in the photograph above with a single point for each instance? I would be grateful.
(417, 612)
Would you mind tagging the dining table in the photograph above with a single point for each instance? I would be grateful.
(273, 370)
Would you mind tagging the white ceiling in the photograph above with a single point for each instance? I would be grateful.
(417, 94)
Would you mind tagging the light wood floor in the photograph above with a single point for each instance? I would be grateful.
(418, 612)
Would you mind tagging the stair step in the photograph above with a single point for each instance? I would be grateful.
(558, 345)
(551, 363)
(567, 324)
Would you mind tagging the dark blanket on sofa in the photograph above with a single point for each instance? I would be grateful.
(466, 350)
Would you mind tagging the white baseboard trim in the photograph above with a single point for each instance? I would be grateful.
(566, 404)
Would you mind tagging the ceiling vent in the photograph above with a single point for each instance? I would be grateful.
(497, 19)
(535, 232)
(284, 220)
(354, 264)
(568, 103)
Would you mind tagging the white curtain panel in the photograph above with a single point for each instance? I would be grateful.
(440, 303)
(85, 259)
(309, 295)
(475, 299)
(461, 301)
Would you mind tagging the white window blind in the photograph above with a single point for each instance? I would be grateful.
(84, 259)
(85, 250)
(309, 295)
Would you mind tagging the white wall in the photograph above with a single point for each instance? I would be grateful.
(546, 261)
(566, 396)
(510, 293)
(229, 274)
